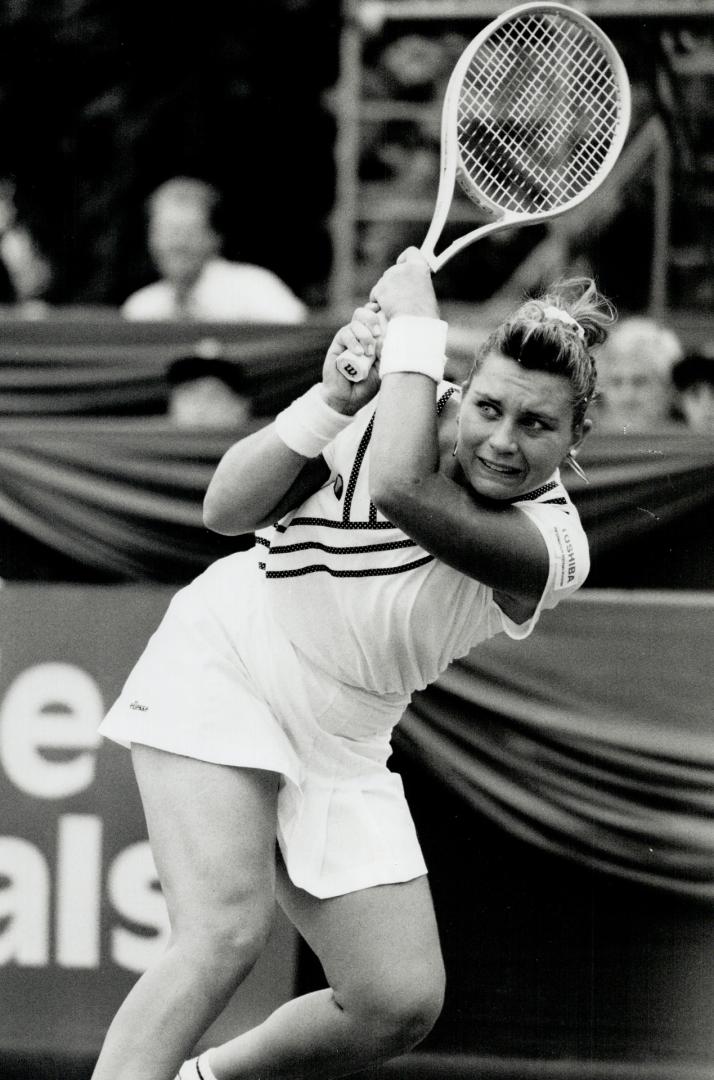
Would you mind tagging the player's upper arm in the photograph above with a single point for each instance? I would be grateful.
(497, 545)
(314, 474)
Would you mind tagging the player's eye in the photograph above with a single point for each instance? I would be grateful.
(536, 424)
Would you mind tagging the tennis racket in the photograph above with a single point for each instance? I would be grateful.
(534, 117)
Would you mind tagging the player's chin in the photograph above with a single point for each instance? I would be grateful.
(498, 492)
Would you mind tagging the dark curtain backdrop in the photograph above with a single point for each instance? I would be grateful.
(592, 739)
(90, 362)
(90, 488)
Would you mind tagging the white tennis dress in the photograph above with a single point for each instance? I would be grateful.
(299, 656)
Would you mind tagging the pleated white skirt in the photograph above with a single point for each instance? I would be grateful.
(218, 681)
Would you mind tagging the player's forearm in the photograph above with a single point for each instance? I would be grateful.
(250, 480)
(265, 474)
(404, 450)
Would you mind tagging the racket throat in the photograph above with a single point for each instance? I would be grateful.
(438, 260)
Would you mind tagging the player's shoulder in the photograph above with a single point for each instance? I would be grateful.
(551, 495)
(552, 509)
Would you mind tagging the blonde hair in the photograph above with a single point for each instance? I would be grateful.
(557, 332)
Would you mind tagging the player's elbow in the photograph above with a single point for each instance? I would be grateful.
(397, 498)
(382, 492)
(219, 518)
(214, 520)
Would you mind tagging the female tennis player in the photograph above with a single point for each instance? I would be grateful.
(389, 540)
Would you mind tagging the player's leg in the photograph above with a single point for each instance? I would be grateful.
(380, 951)
(212, 833)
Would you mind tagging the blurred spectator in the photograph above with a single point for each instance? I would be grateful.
(404, 153)
(25, 271)
(635, 370)
(693, 379)
(207, 392)
(196, 282)
(413, 67)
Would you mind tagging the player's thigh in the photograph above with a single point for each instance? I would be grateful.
(212, 831)
(379, 947)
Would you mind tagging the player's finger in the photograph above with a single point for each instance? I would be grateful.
(381, 321)
(348, 340)
(364, 336)
(368, 313)
(366, 321)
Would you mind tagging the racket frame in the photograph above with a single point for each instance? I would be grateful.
(452, 170)
(355, 368)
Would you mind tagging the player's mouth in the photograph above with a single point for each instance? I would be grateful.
(498, 468)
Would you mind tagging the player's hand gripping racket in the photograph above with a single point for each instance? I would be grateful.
(534, 118)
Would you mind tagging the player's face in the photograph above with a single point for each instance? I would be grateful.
(181, 240)
(515, 427)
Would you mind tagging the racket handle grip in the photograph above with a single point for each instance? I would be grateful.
(357, 368)
(353, 367)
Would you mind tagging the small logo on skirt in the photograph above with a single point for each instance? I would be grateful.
(139, 706)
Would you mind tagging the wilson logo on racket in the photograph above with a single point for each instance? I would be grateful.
(535, 115)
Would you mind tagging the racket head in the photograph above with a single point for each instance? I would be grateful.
(535, 115)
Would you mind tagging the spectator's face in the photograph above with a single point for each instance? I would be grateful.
(181, 241)
(635, 393)
(207, 402)
(697, 404)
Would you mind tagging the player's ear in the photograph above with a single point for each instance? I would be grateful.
(581, 433)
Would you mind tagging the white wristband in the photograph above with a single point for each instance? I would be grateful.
(309, 424)
(414, 343)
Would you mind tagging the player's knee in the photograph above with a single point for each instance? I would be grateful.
(225, 939)
(400, 1012)
(406, 1017)
(417, 1010)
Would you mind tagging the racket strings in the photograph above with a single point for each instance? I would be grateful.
(542, 140)
(534, 162)
(537, 114)
(529, 95)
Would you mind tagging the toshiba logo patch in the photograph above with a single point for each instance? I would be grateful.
(565, 558)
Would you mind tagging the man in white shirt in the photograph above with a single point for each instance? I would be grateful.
(196, 282)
